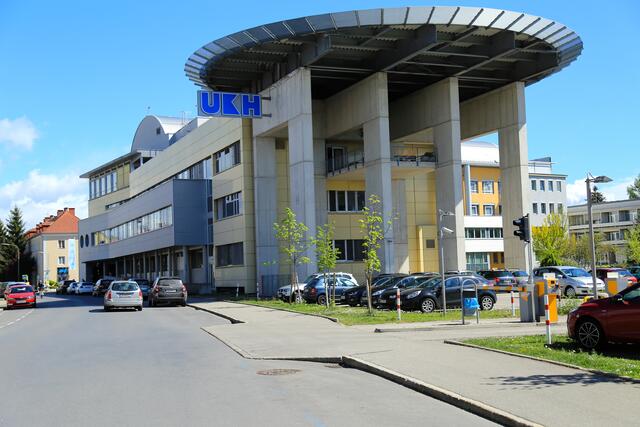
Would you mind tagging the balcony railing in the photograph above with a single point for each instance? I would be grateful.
(400, 156)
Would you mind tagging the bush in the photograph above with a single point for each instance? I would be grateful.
(52, 284)
(565, 305)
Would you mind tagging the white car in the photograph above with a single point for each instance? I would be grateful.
(72, 288)
(123, 294)
(84, 288)
(284, 291)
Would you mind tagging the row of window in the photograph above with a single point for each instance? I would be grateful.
(543, 208)
(228, 206)
(105, 184)
(228, 157)
(153, 221)
(201, 170)
(345, 201)
(549, 185)
(487, 210)
(624, 215)
(487, 186)
(483, 233)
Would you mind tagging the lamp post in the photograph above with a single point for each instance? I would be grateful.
(443, 229)
(588, 181)
(17, 255)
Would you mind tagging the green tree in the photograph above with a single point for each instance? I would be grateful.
(597, 196)
(3, 239)
(634, 189)
(372, 228)
(327, 256)
(551, 240)
(633, 245)
(293, 244)
(579, 251)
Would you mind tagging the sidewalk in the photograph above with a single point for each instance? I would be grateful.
(540, 392)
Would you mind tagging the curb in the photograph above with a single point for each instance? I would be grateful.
(224, 316)
(333, 319)
(539, 359)
(478, 408)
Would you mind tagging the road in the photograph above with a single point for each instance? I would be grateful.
(69, 363)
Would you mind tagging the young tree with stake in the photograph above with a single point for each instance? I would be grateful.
(292, 235)
(327, 256)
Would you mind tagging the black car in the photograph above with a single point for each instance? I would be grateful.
(353, 296)
(387, 297)
(168, 289)
(380, 286)
(101, 286)
(427, 296)
(499, 277)
(64, 286)
(316, 291)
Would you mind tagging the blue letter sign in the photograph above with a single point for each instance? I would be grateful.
(226, 104)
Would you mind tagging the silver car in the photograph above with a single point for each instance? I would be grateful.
(573, 281)
(123, 294)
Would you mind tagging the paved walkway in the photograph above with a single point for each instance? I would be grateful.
(540, 392)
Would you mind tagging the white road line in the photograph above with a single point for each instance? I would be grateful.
(17, 320)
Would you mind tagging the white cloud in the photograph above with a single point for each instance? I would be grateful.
(615, 190)
(40, 195)
(18, 133)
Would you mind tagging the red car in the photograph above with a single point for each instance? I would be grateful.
(614, 319)
(601, 273)
(20, 295)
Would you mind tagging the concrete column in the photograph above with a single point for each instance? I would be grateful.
(144, 266)
(320, 165)
(302, 180)
(185, 264)
(467, 189)
(401, 239)
(265, 205)
(514, 175)
(377, 152)
(449, 174)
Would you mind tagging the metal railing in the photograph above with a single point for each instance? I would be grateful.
(400, 156)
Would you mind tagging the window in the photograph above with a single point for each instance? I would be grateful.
(543, 208)
(541, 185)
(195, 259)
(82, 241)
(61, 260)
(606, 217)
(560, 208)
(144, 224)
(61, 244)
(488, 210)
(227, 157)
(483, 233)
(624, 216)
(430, 243)
(559, 185)
(551, 208)
(550, 185)
(228, 206)
(474, 186)
(477, 261)
(231, 254)
(487, 187)
(533, 184)
(350, 249)
(474, 210)
(345, 201)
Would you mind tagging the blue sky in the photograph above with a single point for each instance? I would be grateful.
(76, 78)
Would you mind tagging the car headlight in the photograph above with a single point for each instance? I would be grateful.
(413, 294)
(376, 293)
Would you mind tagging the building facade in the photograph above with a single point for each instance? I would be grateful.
(359, 103)
(483, 220)
(613, 219)
(54, 244)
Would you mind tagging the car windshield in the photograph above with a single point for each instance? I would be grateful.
(623, 273)
(520, 274)
(124, 286)
(20, 289)
(575, 272)
(142, 282)
(170, 282)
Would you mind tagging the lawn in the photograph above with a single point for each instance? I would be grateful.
(360, 316)
(616, 359)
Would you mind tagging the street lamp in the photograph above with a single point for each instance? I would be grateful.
(443, 229)
(588, 181)
(17, 255)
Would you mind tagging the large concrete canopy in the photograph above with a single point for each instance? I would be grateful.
(416, 46)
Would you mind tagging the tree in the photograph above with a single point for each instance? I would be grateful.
(597, 196)
(15, 237)
(292, 235)
(634, 189)
(633, 245)
(551, 240)
(327, 255)
(580, 249)
(371, 226)
(3, 239)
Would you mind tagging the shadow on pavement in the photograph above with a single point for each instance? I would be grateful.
(63, 301)
(545, 381)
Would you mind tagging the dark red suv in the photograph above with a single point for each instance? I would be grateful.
(614, 319)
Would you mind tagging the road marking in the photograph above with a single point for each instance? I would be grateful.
(17, 320)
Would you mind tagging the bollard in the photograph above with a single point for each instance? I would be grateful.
(398, 303)
(513, 306)
(478, 310)
(547, 315)
(258, 291)
(237, 290)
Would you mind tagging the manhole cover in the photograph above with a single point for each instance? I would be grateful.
(278, 372)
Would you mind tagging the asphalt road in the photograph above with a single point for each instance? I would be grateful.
(69, 363)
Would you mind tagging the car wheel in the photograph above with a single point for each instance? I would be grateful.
(184, 303)
(140, 307)
(486, 303)
(353, 304)
(427, 305)
(107, 308)
(322, 300)
(569, 292)
(590, 335)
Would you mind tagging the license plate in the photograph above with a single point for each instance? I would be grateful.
(21, 301)
(170, 291)
(383, 300)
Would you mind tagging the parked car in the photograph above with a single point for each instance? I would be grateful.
(601, 273)
(376, 290)
(427, 296)
(168, 290)
(101, 286)
(71, 289)
(145, 287)
(284, 292)
(387, 297)
(5, 285)
(84, 288)
(613, 319)
(522, 277)
(123, 294)
(499, 277)
(353, 296)
(63, 287)
(19, 295)
(573, 281)
(635, 270)
(316, 290)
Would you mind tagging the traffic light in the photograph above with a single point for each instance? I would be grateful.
(523, 228)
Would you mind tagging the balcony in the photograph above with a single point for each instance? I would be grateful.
(405, 161)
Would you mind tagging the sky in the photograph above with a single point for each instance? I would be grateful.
(76, 78)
